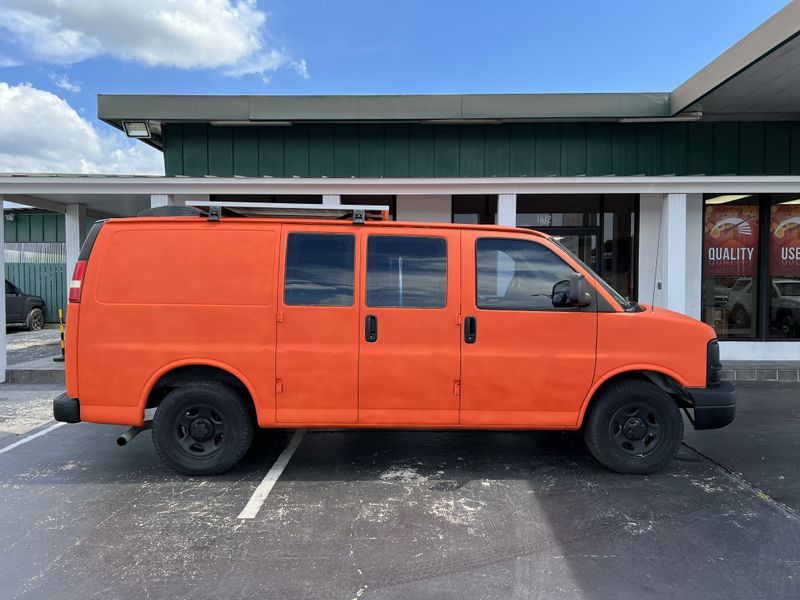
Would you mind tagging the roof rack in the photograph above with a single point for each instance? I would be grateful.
(359, 214)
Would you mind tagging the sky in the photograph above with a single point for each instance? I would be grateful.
(57, 55)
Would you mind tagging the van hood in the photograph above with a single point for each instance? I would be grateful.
(676, 317)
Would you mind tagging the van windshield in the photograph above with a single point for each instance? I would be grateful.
(625, 304)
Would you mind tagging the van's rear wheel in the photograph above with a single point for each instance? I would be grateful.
(633, 427)
(202, 428)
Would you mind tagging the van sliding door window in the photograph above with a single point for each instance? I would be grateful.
(517, 275)
(319, 269)
(406, 272)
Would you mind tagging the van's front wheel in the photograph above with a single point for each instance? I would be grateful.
(633, 427)
(202, 429)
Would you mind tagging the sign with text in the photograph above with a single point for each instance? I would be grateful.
(731, 241)
(784, 241)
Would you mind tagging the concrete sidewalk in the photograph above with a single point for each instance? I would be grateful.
(738, 370)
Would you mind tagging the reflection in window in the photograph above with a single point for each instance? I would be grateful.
(730, 305)
(517, 274)
(784, 267)
(406, 272)
(319, 270)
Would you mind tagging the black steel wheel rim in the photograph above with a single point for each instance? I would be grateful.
(636, 429)
(200, 431)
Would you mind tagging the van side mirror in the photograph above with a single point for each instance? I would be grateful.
(579, 294)
(560, 295)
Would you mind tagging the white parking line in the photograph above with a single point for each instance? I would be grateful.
(265, 487)
(25, 440)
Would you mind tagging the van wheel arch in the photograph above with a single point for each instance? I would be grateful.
(194, 373)
(660, 380)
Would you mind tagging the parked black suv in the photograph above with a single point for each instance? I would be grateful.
(23, 309)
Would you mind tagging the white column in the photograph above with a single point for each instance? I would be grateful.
(650, 261)
(2, 304)
(432, 209)
(75, 226)
(675, 251)
(670, 247)
(331, 200)
(161, 200)
(507, 210)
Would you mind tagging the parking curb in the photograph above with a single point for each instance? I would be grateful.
(35, 376)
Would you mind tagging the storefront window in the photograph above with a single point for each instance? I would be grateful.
(784, 267)
(542, 210)
(598, 228)
(619, 243)
(751, 266)
(475, 210)
(730, 264)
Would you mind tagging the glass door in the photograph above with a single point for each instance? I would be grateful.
(581, 242)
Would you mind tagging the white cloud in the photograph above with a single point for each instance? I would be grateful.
(40, 132)
(187, 34)
(63, 82)
(302, 68)
(8, 62)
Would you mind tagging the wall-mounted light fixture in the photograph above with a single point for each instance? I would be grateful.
(137, 129)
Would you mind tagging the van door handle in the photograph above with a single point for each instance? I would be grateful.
(470, 330)
(371, 328)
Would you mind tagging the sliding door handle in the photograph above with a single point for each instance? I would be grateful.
(470, 330)
(371, 328)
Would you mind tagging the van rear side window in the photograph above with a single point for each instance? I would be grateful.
(320, 269)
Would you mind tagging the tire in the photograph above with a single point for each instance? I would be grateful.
(786, 323)
(633, 427)
(202, 428)
(35, 320)
(740, 317)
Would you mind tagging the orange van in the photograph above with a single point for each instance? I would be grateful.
(205, 325)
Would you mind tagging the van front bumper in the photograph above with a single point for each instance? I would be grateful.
(66, 409)
(714, 406)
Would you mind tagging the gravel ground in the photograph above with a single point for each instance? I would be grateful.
(26, 345)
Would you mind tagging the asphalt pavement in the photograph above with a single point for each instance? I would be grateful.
(403, 514)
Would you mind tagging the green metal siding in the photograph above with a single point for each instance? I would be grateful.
(518, 149)
(47, 280)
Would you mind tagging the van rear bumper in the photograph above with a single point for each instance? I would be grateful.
(714, 406)
(66, 409)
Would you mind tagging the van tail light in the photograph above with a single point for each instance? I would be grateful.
(76, 285)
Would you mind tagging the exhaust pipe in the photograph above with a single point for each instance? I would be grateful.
(132, 433)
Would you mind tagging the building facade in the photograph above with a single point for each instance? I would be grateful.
(688, 199)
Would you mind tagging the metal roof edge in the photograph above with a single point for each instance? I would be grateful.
(773, 33)
(113, 108)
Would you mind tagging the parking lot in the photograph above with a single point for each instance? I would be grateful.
(401, 514)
